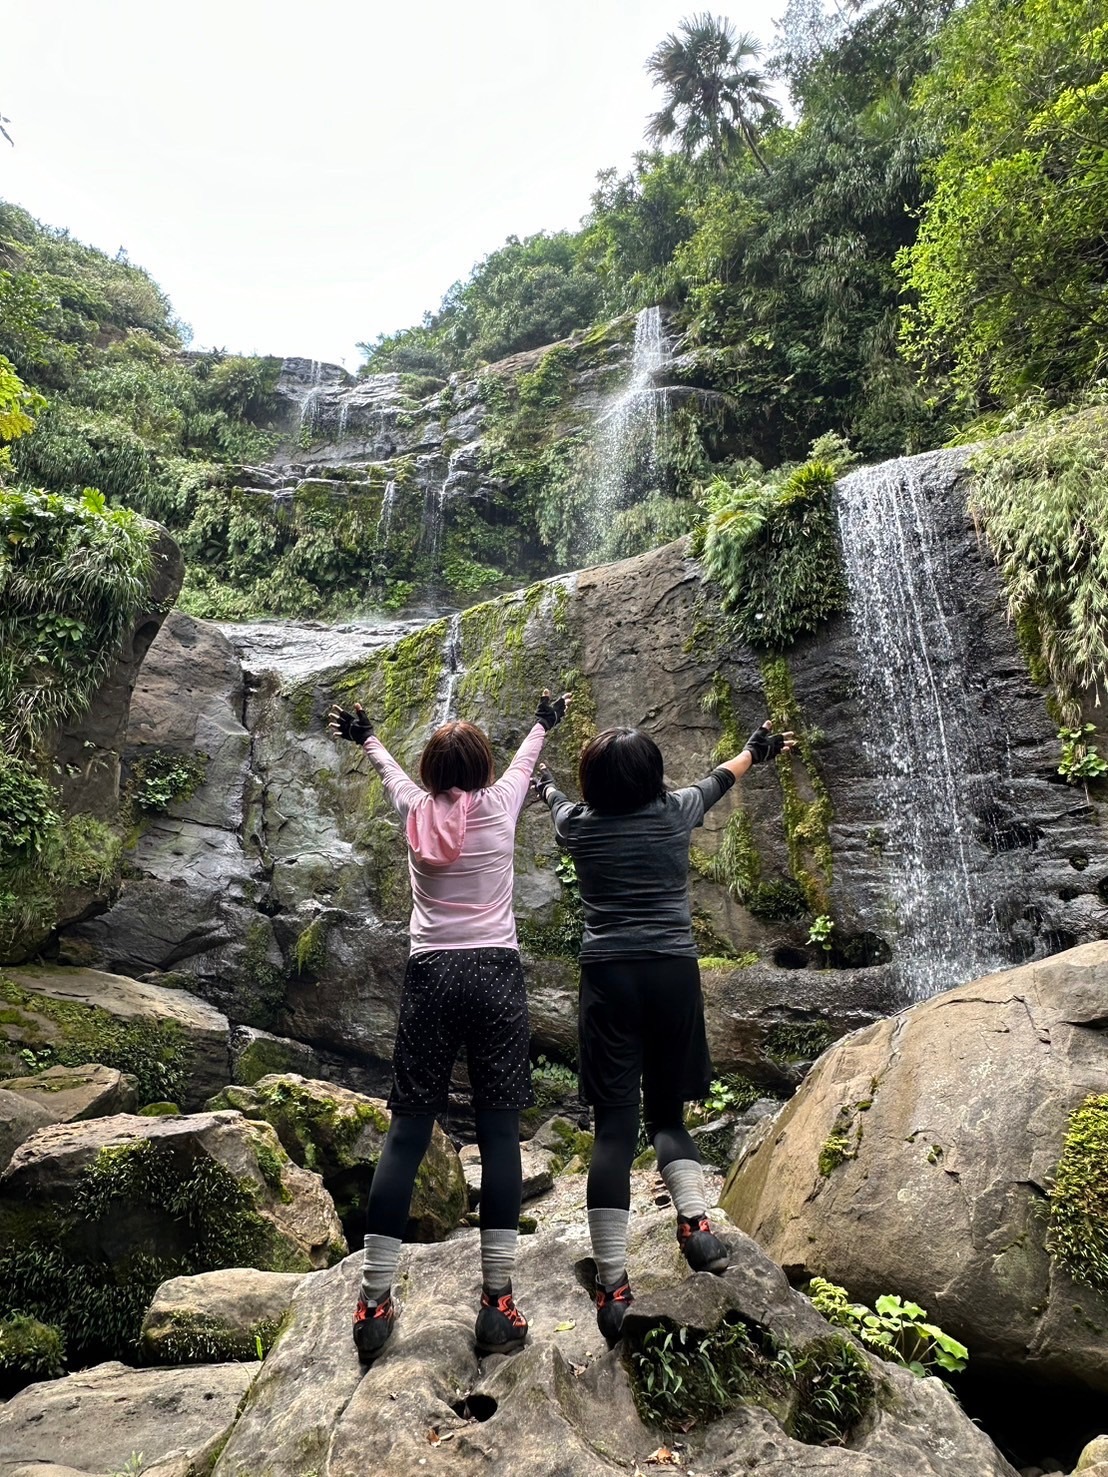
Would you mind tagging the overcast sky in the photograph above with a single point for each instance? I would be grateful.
(302, 177)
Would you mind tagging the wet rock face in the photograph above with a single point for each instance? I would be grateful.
(917, 1155)
(278, 889)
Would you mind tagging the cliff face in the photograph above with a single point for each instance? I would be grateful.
(279, 887)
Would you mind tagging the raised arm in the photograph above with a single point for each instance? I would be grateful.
(762, 744)
(356, 726)
(514, 782)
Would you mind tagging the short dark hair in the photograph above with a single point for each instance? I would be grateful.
(620, 770)
(457, 756)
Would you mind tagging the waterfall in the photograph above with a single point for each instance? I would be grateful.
(922, 729)
(384, 517)
(434, 508)
(626, 444)
(452, 671)
(344, 416)
(309, 402)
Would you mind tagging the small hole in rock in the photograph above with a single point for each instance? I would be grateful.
(788, 958)
(474, 1407)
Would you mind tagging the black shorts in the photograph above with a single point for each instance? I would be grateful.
(474, 998)
(641, 1021)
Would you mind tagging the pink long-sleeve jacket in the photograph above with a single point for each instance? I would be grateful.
(461, 848)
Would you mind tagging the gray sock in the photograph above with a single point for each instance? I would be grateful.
(498, 1257)
(685, 1182)
(379, 1266)
(608, 1234)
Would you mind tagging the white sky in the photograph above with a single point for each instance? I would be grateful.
(302, 177)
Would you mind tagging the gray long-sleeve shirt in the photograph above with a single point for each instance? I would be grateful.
(634, 869)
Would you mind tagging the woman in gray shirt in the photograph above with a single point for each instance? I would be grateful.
(641, 1012)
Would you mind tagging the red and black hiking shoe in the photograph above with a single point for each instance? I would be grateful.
(701, 1247)
(611, 1305)
(501, 1328)
(373, 1326)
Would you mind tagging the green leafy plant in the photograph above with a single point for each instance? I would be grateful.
(1081, 760)
(731, 1094)
(681, 1377)
(162, 776)
(820, 931)
(894, 1328)
(29, 1350)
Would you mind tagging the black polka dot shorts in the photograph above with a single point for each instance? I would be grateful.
(452, 998)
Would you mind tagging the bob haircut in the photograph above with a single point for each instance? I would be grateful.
(620, 770)
(457, 757)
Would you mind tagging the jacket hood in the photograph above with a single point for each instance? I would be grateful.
(436, 826)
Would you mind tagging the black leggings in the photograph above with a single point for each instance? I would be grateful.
(617, 1133)
(390, 1194)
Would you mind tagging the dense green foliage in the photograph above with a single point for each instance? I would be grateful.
(29, 1351)
(772, 545)
(1042, 497)
(1010, 265)
(1078, 1235)
(682, 1377)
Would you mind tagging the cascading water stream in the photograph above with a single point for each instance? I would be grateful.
(453, 670)
(309, 404)
(931, 780)
(626, 444)
(384, 517)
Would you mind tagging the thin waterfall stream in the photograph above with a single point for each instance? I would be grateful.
(627, 431)
(931, 772)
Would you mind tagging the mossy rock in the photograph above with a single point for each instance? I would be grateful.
(96, 1214)
(340, 1134)
(173, 1044)
(215, 1316)
(29, 1351)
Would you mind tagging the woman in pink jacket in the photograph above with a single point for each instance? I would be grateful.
(463, 985)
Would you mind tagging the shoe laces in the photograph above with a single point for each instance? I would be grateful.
(505, 1304)
(688, 1226)
(620, 1294)
(382, 1309)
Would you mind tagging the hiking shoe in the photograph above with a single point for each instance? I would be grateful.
(611, 1305)
(501, 1328)
(373, 1326)
(700, 1246)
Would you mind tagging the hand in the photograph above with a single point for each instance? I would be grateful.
(551, 711)
(764, 744)
(354, 726)
(541, 780)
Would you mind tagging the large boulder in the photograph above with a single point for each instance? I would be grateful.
(340, 1134)
(95, 1214)
(917, 1156)
(95, 1421)
(68, 1093)
(20, 1116)
(173, 1043)
(565, 1405)
(213, 1316)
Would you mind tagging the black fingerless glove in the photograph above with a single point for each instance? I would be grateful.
(542, 782)
(763, 745)
(550, 711)
(353, 726)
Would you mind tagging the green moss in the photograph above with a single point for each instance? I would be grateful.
(60, 1264)
(573, 1143)
(77, 854)
(1078, 1228)
(29, 1351)
(728, 961)
(807, 818)
(70, 1034)
(843, 1142)
(318, 1131)
(198, 1338)
(737, 865)
(311, 948)
(161, 777)
(159, 1110)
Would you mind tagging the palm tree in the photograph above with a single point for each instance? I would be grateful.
(715, 96)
